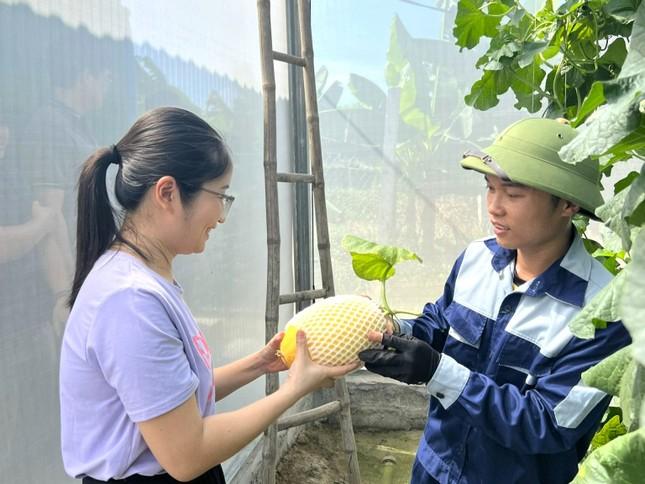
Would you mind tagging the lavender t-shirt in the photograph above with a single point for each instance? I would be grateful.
(132, 351)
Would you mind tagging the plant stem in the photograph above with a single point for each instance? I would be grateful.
(397, 311)
(384, 302)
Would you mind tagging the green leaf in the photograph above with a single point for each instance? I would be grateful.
(614, 122)
(636, 58)
(614, 57)
(634, 141)
(607, 374)
(484, 92)
(604, 252)
(623, 183)
(604, 306)
(595, 98)
(396, 60)
(621, 10)
(501, 52)
(635, 198)
(525, 83)
(471, 23)
(630, 399)
(618, 462)
(368, 93)
(371, 267)
(620, 116)
(321, 79)
(569, 6)
(409, 110)
(611, 212)
(610, 430)
(374, 262)
(581, 222)
(633, 302)
(529, 51)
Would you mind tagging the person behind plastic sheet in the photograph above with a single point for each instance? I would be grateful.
(138, 392)
(55, 140)
(501, 366)
(27, 350)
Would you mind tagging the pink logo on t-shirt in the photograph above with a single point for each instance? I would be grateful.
(202, 348)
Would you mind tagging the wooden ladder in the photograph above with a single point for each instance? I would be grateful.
(314, 179)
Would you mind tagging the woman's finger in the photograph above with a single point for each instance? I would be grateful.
(375, 336)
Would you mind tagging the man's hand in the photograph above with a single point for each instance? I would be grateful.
(404, 358)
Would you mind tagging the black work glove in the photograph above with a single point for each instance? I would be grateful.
(404, 358)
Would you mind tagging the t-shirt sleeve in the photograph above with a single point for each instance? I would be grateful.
(141, 355)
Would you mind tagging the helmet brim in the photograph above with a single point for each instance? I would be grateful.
(522, 168)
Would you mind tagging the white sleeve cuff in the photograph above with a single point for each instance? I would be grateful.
(448, 381)
(405, 326)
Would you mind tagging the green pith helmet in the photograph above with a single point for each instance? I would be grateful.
(527, 152)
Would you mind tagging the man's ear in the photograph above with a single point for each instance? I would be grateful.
(569, 208)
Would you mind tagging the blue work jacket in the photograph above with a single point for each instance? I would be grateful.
(508, 402)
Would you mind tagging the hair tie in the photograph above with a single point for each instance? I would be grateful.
(116, 156)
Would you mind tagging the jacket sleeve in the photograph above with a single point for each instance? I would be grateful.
(431, 326)
(548, 418)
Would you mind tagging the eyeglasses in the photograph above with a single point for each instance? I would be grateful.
(227, 200)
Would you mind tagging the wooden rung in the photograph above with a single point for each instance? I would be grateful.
(288, 58)
(307, 416)
(302, 296)
(295, 177)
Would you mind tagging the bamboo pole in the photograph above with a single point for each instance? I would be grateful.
(315, 150)
(302, 296)
(322, 228)
(273, 298)
(295, 178)
(347, 433)
(309, 415)
(269, 450)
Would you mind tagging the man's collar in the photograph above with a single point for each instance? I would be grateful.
(566, 279)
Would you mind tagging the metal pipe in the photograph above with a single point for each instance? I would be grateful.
(388, 468)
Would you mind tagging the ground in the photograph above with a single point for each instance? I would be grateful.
(317, 457)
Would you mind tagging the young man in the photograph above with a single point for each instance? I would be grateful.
(500, 362)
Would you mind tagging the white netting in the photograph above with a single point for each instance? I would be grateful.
(337, 327)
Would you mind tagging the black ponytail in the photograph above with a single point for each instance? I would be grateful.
(96, 226)
(164, 141)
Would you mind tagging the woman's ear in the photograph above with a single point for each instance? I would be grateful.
(166, 191)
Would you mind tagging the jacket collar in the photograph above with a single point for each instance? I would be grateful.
(566, 279)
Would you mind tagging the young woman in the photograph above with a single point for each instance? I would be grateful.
(138, 390)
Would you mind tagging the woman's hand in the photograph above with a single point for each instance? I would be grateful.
(306, 376)
(269, 360)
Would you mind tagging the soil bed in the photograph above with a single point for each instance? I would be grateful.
(317, 456)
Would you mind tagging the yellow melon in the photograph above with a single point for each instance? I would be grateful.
(336, 329)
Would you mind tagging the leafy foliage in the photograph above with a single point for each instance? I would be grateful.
(633, 303)
(579, 44)
(607, 375)
(610, 430)
(609, 463)
(601, 309)
(585, 61)
(374, 262)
